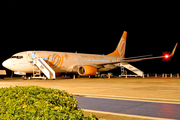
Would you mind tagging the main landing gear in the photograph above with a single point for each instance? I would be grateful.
(24, 77)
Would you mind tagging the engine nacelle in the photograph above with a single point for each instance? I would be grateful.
(87, 70)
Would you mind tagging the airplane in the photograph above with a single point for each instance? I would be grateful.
(53, 62)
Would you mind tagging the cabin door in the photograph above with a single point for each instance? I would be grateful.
(30, 56)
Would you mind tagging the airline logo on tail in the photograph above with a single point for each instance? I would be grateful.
(121, 47)
(120, 50)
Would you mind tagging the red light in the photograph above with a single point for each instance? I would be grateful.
(166, 56)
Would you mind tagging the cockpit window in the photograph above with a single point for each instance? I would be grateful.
(18, 57)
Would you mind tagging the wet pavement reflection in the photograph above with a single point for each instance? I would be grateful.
(141, 108)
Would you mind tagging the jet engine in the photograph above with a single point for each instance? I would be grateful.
(86, 70)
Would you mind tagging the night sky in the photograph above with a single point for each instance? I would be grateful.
(93, 27)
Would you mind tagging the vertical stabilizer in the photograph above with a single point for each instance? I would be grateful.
(120, 50)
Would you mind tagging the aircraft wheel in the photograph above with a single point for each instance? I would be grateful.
(24, 77)
(103, 75)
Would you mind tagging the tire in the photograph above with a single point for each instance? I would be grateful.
(25, 78)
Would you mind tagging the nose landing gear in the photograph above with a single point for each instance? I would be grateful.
(24, 77)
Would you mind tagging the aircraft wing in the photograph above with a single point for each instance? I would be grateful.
(139, 59)
(131, 60)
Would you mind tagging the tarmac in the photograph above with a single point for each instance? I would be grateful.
(153, 90)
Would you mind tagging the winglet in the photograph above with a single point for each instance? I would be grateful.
(174, 50)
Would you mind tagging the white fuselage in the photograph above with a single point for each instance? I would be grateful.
(58, 61)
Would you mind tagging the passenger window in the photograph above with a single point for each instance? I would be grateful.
(18, 57)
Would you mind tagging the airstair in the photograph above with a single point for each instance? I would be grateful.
(131, 68)
(42, 66)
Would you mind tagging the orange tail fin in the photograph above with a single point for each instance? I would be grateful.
(120, 50)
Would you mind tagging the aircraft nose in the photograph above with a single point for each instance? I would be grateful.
(6, 64)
